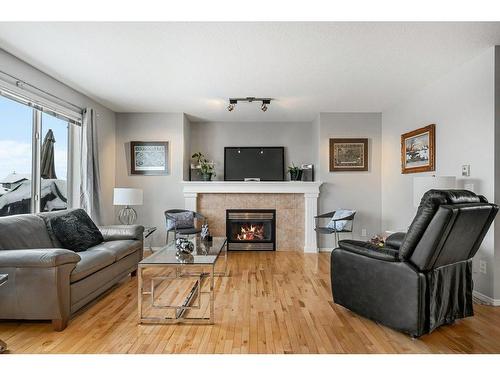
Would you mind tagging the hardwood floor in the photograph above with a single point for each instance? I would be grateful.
(276, 302)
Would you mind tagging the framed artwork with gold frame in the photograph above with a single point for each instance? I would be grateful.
(418, 150)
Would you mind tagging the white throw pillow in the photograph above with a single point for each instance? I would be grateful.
(340, 224)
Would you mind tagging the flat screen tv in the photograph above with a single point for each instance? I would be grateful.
(264, 163)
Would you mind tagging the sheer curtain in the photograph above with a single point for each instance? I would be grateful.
(90, 177)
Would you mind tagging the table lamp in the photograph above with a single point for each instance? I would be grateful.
(127, 197)
(423, 184)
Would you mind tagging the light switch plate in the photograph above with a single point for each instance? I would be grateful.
(466, 170)
(482, 266)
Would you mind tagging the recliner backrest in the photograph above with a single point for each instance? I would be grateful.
(449, 227)
(454, 235)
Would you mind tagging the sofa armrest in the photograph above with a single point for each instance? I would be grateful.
(369, 250)
(40, 258)
(395, 240)
(38, 286)
(122, 232)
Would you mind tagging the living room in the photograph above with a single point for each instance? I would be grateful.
(249, 187)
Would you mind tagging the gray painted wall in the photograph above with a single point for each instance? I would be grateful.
(355, 190)
(461, 104)
(105, 122)
(160, 192)
(307, 142)
(298, 138)
(187, 147)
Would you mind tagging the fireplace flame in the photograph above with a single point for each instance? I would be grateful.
(249, 232)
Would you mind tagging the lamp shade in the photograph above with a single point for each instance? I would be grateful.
(423, 184)
(127, 197)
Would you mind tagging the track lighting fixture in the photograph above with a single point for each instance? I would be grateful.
(250, 99)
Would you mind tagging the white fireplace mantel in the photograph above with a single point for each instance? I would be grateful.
(310, 190)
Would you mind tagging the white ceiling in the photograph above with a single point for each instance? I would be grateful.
(195, 67)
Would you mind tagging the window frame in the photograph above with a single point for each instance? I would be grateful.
(74, 119)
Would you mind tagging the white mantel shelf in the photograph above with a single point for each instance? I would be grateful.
(310, 190)
(283, 187)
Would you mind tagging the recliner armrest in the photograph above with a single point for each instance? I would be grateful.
(370, 250)
(395, 240)
(40, 258)
(122, 232)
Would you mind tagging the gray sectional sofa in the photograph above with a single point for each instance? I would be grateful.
(47, 282)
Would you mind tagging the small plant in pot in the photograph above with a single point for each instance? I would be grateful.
(295, 173)
(207, 168)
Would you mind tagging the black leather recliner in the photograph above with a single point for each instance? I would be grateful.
(418, 280)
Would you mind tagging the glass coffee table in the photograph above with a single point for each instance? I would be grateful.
(175, 288)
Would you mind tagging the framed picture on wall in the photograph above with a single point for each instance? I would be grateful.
(348, 154)
(149, 158)
(418, 150)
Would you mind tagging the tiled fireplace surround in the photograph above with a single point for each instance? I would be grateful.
(289, 214)
(295, 204)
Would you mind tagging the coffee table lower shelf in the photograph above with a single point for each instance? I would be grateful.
(192, 301)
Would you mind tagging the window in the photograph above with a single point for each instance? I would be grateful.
(34, 159)
(53, 164)
(16, 126)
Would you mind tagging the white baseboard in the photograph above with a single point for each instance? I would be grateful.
(152, 248)
(485, 299)
(325, 249)
(310, 249)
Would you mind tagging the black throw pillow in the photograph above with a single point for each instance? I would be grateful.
(75, 230)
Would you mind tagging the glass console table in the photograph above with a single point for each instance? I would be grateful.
(168, 275)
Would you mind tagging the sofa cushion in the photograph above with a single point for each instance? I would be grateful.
(120, 248)
(92, 261)
(24, 232)
(74, 229)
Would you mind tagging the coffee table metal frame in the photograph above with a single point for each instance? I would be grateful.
(175, 272)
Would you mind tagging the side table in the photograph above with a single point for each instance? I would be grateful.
(148, 231)
(3, 280)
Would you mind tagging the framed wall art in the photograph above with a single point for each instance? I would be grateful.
(418, 150)
(348, 154)
(149, 158)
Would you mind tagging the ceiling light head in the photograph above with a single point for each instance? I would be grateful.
(232, 103)
(265, 102)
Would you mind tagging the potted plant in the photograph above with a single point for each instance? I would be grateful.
(207, 168)
(295, 173)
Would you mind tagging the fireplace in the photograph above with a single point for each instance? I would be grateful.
(249, 229)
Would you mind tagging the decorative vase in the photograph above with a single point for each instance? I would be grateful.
(296, 175)
(207, 176)
(184, 246)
